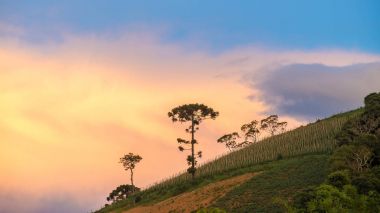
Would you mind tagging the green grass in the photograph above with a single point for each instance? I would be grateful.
(315, 138)
(283, 180)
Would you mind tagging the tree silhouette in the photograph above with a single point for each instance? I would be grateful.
(251, 132)
(230, 140)
(195, 114)
(129, 162)
(122, 192)
(272, 125)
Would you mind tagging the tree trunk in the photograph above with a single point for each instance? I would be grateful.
(192, 149)
(133, 188)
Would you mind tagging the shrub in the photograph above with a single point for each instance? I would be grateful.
(339, 178)
(367, 182)
(302, 198)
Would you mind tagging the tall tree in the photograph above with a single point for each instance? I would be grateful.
(230, 140)
(195, 114)
(129, 162)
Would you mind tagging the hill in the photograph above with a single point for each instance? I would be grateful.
(286, 163)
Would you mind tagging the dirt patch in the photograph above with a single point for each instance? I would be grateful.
(196, 199)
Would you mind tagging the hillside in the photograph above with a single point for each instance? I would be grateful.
(285, 164)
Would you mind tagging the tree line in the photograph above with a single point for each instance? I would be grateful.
(251, 132)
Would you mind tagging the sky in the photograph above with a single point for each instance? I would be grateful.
(84, 82)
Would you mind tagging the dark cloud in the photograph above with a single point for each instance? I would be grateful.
(315, 91)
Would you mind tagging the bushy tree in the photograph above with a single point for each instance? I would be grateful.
(339, 178)
(330, 199)
(195, 114)
(129, 162)
(367, 182)
(122, 192)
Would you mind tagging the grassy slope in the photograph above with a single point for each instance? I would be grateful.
(283, 180)
(316, 138)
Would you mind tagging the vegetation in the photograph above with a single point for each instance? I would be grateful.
(251, 132)
(354, 182)
(332, 165)
(280, 179)
(311, 142)
(194, 113)
(122, 192)
(129, 162)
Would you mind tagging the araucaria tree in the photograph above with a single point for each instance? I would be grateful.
(194, 114)
(129, 162)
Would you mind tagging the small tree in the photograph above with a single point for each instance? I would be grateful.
(230, 140)
(195, 114)
(251, 132)
(129, 162)
(272, 125)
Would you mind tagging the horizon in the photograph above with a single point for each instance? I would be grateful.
(83, 83)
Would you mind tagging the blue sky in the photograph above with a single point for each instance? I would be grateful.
(220, 25)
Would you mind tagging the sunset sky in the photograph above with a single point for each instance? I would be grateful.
(84, 82)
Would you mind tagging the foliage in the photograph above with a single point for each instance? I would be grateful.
(122, 192)
(367, 182)
(301, 199)
(338, 178)
(194, 113)
(330, 199)
(358, 155)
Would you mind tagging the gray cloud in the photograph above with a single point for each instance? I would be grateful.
(312, 91)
